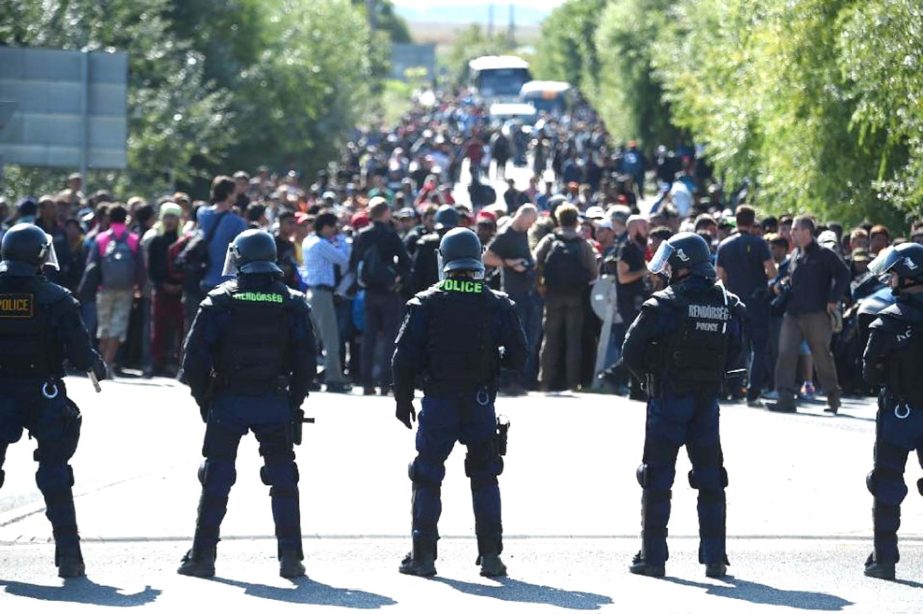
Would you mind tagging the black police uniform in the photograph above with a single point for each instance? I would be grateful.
(892, 361)
(249, 361)
(450, 342)
(40, 328)
(425, 271)
(682, 343)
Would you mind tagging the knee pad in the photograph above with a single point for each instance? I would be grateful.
(2, 476)
(886, 485)
(708, 479)
(52, 477)
(641, 474)
(919, 483)
(425, 474)
(279, 474)
(217, 476)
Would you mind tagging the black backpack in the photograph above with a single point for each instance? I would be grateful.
(191, 262)
(564, 271)
(375, 271)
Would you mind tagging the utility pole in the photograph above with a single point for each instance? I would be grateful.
(511, 35)
(490, 21)
(370, 7)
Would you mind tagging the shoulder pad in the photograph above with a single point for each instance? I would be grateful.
(224, 289)
(424, 295)
(415, 301)
(660, 300)
(49, 293)
(295, 295)
(894, 318)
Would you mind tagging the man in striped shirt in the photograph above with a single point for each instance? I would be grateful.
(324, 250)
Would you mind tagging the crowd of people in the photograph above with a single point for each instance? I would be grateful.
(361, 237)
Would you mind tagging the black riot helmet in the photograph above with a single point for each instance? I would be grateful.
(906, 260)
(446, 218)
(25, 249)
(685, 250)
(253, 251)
(460, 250)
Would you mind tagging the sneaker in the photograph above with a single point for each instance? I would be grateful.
(384, 391)
(877, 569)
(198, 565)
(290, 565)
(492, 566)
(772, 395)
(641, 567)
(756, 403)
(807, 391)
(424, 566)
(368, 391)
(339, 387)
(716, 570)
(782, 407)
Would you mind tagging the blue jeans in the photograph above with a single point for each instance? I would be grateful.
(442, 422)
(528, 307)
(674, 420)
(756, 349)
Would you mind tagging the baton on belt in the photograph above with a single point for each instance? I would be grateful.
(94, 381)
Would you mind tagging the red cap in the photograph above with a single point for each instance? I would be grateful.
(486, 216)
(359, 220)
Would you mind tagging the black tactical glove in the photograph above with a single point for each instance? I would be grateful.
(406, 413)
(297, 425)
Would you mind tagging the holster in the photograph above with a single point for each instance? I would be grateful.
(503, 430)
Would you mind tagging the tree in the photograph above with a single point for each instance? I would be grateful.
(470, 43)
(173, 117)
(568, 50)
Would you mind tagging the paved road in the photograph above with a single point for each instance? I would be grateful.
(798, 513)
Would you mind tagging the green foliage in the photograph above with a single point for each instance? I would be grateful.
(819, 102)
(629, 95)
(568, 50)
(173, 116)
(217, 84)
(308, 87)
(386, 19)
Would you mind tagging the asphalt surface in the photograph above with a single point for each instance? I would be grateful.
(799, 515)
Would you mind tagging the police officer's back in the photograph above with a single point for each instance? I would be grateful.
(681, 343)
(450, 342)
(249, 361)
(425, 265)
(893, 361)
(40, 329)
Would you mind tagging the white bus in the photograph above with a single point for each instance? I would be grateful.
(498, 77)
(553, 97)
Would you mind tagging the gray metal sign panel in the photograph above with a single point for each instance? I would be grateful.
(411, 55)
(71, 111)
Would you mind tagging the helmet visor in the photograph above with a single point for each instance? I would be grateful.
(230, 262)
(661, 260)
(884, 261)
(49, 257)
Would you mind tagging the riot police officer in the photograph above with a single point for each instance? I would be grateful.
(40, 328)
(452, 338)
(892, 361)
(249, 361)
(681, 344)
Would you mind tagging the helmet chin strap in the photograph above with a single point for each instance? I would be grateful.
(905, 284)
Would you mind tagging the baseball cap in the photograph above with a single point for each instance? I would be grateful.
(604, 223)
(359, 220)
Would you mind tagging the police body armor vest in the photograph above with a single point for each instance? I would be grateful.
(902, 366)
(460, 352)
(697, 351)
(27, 339)
(254, 353)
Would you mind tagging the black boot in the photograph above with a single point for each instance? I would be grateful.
(290, 565)
(878, 569)
(492, 566)
(639, 566)
(199, 563)
(421, 561)
(716, 570)
(69, 561)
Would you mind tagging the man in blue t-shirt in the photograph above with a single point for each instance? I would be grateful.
(224, 195)
(745, 265)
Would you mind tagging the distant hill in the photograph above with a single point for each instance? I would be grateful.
(462, 14)
(445, 33)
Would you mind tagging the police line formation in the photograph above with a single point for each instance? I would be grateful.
(250, 359)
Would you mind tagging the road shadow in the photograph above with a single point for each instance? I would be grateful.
(762, 594)
(309, 592)
(909, 583)
(81, 590)
(523, 592)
